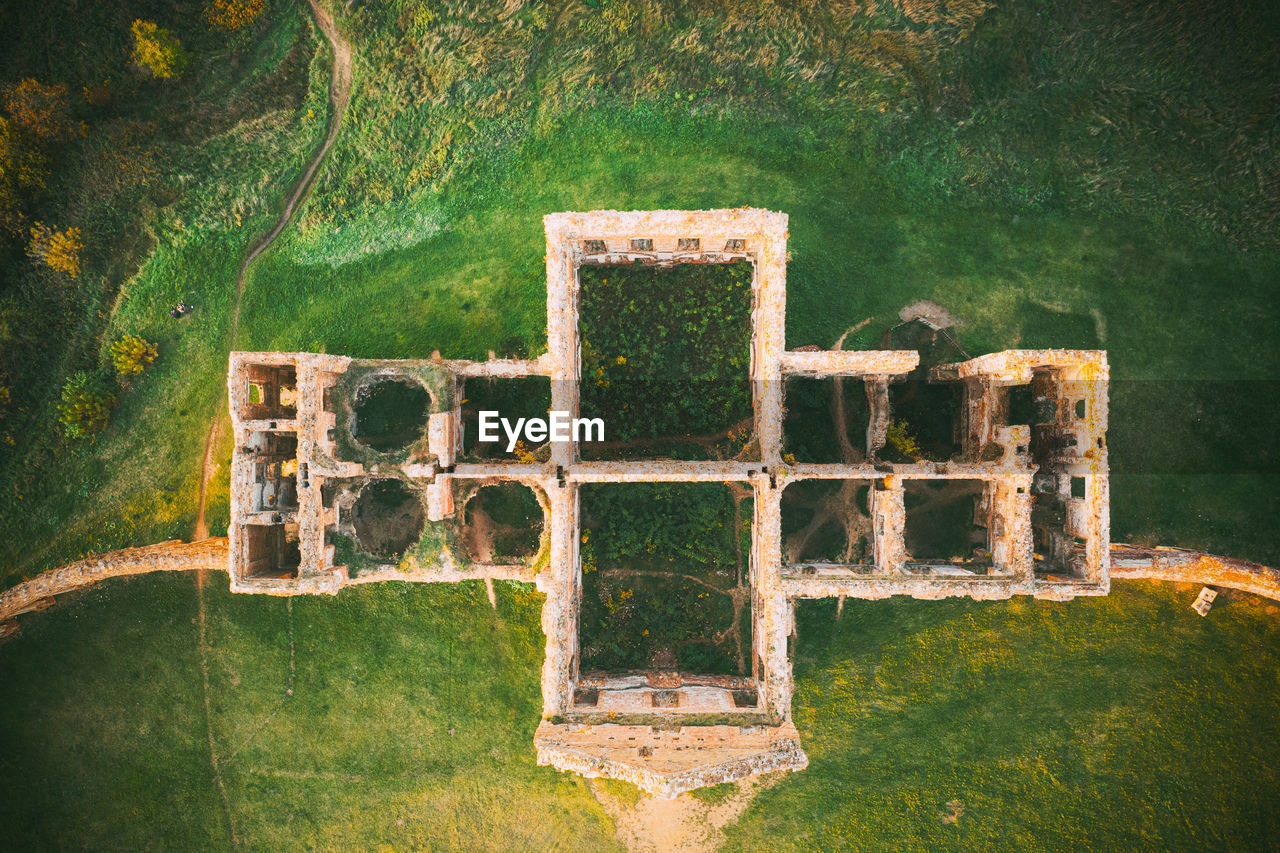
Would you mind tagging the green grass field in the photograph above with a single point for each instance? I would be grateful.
(1065, 174)
(392, 715)
(1123, 723)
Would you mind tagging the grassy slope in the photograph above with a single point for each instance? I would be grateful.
(213, 156)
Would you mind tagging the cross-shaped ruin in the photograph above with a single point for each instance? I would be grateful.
(326, 492)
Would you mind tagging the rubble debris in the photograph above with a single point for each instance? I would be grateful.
(1204, 601)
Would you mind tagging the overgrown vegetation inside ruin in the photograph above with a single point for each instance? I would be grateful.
(941, 523)
(527, 397)
(827, 521)
(811, 429)
(388, 517)
(382, 415)
(502, 523)
(664, 578)
(665, 350)
(926, 419)
(391, 414)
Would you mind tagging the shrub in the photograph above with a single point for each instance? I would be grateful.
(131, 355)
(233, 15)
(900, 439)
(42, 111)
(85, 406)
(158, 50)
(59, 250)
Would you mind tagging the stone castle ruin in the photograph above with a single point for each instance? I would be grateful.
(331, 486)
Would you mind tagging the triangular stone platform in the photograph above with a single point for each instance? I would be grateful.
(669, 762)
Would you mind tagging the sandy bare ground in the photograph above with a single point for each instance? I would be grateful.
(682, 825)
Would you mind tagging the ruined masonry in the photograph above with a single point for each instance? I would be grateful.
(304, 480)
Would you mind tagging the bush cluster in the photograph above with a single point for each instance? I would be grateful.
(58, 250)
(132, 355)
(158, 50)
(233, 15)
(85, 406)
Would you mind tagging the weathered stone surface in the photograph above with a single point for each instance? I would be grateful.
(849, 362)
(669, 762)
(173, 556)
(1181, 566)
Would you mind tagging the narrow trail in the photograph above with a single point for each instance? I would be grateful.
(214, 761)
(683, 825)
(339, 96)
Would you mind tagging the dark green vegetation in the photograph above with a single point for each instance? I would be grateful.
(510, 520)
(940, 522)
(810, 428)
(398, 407)
(665, 351)
(930, 414)
(821, 517)
(512, 399)
(927, 415)
(664, 579)
(388, 518)
(391, 415)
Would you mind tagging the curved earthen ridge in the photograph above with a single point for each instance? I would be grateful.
(1041, 491)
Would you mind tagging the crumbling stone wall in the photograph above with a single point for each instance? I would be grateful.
(1182, 566)
(173, 556)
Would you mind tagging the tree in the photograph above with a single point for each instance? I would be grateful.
(158, 50)
(85, 406)
(42, 111)
(59, 250)
(132, 355)
(233, 15)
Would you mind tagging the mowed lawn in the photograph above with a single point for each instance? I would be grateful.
(401, 717)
